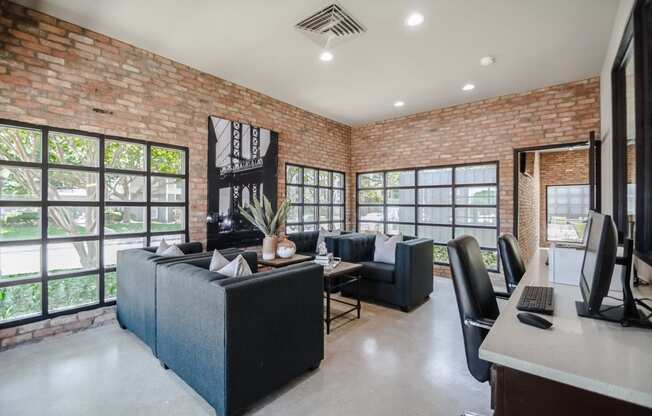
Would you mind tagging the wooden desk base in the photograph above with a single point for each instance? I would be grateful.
(517, 393)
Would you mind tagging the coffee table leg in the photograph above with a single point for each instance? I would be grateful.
(359, 305)
(328, 306)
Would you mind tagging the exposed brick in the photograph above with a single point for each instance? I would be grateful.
(50, 58)
(23, 329)
(80, 38)
(63, 320)
(8, 332)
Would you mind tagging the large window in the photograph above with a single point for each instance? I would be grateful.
(437, 203)
(317, 199)
(69, 201)
(567, 208)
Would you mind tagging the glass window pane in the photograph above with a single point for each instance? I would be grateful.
(124, 155)
(309, 213)
(476, 195)
(168, 219)
(437, 234)
(293, 174)
(490, 259)
(338, 196)
(338, 226)
(110, 285)
(113, 245)
(485, 237)
(71, 257)
(73, 292)
(567, 212)
(475, 216)
(324, 196)
(370, 197)
(310, 227)
(440, 254)
(168, 189)
(167, 160)
(324, 214)
(72, 185)
(20, 223)
(370, 213)
(370, 180)
(404, 229)
(400, 196)
(20, 262)
(400, 214)
(435, 196)
(309, 195)
(436, 215)
(338, 213)
(324, 178)
(72, 221)
(20, 184)
(120, 187)
(155, 240)
(442, 176)
(292, 229)
(325, 226)
(338, 180)
(309, 176)
(399, 178)
(20, 144)
(475, 174)
(294, 214)
(22, 301)
(294, 194)
(125, 220)
(73, 149)
(370, 227)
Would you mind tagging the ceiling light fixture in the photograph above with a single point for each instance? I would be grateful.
(487, 60)
(326, 56)
(468, 87)
(415, 19)
(399, 104)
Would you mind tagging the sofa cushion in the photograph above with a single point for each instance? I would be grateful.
(171, 251)
(379, 272)
(238, 267)
(218, 261)
(385, 248)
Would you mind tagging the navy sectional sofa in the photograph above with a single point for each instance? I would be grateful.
(306, 242)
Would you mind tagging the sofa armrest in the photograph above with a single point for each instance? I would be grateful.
(357, 247)
(413, 270)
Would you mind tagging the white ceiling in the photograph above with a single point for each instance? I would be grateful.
(253, 43)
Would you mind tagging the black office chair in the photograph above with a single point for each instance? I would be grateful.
(513, 265)
(476, 300)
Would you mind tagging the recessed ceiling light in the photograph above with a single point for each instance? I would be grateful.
(399, 104)
(415, 19)
(468, 87)
(487, 60)
(326, 56)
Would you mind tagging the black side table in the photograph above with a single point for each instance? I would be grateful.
(335, 278)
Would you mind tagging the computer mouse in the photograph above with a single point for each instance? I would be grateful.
(534, 320)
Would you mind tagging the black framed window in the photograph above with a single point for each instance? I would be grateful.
(69, 200)
(567, 211)
(317, 198)
(439, 203)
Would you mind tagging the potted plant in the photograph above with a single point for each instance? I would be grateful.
(260, 214)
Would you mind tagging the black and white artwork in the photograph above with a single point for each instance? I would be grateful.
(242, 163)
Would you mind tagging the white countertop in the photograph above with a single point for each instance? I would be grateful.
(593, 355)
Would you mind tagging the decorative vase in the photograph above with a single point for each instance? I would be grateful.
(269, 247)
(285, 248)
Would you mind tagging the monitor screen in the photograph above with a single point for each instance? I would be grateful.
(593, 237)
(599, 260)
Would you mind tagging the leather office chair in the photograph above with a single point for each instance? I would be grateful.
(513, 265)
(476, 300)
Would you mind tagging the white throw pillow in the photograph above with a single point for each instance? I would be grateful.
(172, 251)
(385, 248)
(322, 236)
(217, 262)
(236, 268)
(162, 247)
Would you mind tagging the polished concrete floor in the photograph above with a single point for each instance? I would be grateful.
(387, 363)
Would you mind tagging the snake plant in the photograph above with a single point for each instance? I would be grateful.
(261, 215)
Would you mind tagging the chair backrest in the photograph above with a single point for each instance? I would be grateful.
(475, 298)
(510, 255)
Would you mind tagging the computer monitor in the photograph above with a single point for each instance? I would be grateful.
(599, 260)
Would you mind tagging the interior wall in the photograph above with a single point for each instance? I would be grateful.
(56, 73)
(528, 206)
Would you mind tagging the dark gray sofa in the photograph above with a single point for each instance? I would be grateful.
(405, 284)
(136, 299)
(306, 242)
(235, 340)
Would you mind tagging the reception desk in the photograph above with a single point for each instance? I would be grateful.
(579, 366)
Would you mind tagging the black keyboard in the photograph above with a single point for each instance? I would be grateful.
(536, 299)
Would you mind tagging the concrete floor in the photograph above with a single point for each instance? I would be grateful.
(387, 363)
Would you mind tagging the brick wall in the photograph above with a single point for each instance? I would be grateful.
(528, 207)
(485, 130)
(560, 168)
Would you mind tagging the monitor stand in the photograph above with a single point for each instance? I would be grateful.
(615, 313)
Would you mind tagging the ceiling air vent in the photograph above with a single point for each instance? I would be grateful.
(330, 26)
